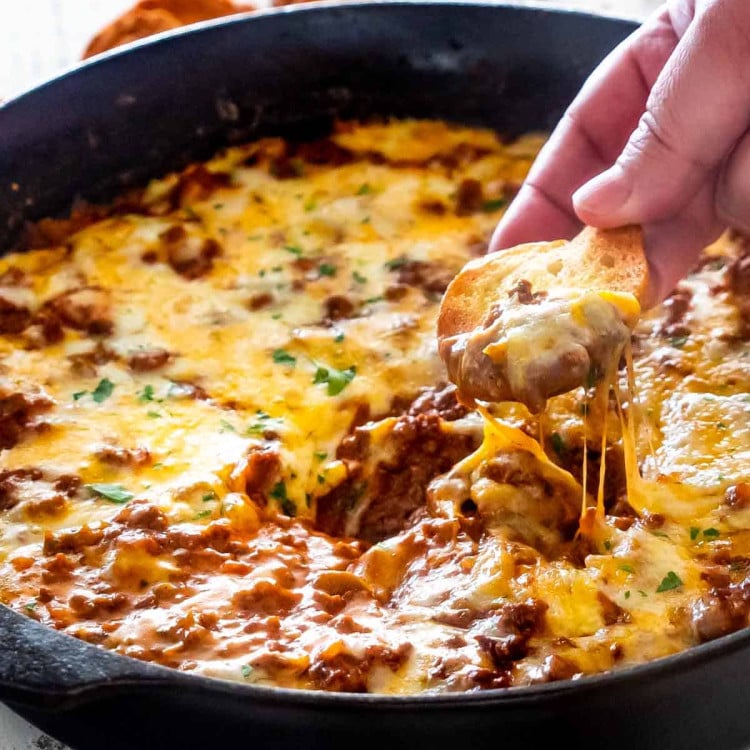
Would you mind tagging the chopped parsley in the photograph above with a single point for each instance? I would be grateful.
(339, 337)
(103, 390)
(336, 380)
(359, 278)
(282, 357)
(226, 426)
(396, 263)
(678, 341)
(293, 249)
(558, 444)
(669, 582)
(115, 493)
(627, 594)
(321, 479)
(209, 497)
(722, 426)
(373, 300)
(711, 533)
(627, 568)
(327, 269)
(202, 514)
(493, 205)
(153, 414)
(246, 670)
(364, 189)
(147, 393)
(320, 455)
(78, 395)
(278, 492)
(311, 205)
(694, 531)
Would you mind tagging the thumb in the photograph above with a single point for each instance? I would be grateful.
(698, 108)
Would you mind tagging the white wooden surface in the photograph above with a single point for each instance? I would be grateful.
(39, 38)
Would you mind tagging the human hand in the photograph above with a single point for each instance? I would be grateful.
(658, 136)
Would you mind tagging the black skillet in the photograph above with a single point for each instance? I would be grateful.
(134, 114)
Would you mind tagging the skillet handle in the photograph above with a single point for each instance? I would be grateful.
(42, 668)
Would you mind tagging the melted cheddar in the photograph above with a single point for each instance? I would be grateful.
(228, 445)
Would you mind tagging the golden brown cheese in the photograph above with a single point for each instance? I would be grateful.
(228, 445)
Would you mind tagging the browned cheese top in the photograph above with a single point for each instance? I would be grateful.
(229, 445)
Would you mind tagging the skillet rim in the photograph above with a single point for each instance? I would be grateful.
(157, 675)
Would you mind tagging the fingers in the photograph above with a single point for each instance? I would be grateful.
(697, 110)
(733, 189)
(674, 243)
(590, 136)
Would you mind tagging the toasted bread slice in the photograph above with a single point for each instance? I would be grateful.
(595, 260)
(543, 318)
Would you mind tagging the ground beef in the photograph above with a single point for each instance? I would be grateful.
(86, 309)
(148, 359)
(384, 496)
(189, 255)
(13, 318)
(469, 197)
(429, 276)
(676, 307)
(18, 412)
(513, 624)
(738, 277)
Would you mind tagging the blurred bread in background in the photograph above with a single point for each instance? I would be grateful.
(153, 16)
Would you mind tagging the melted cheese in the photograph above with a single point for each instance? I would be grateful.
(168, 513)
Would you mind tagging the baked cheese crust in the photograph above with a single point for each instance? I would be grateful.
(229, 445)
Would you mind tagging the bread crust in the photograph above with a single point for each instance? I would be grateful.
(596, 259)
(154, 16)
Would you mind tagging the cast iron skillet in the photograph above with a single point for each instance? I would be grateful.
(134, 114)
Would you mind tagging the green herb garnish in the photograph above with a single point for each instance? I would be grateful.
(558, 444)
(282, 357)
(115, 493)
(293, 249)
(327, 269)
(669, 582)
(147, 393)
(336, 380)
(359, 278)
(493, 205)
(678, 341)
(396, 263)
(103, 391)
(278, 492)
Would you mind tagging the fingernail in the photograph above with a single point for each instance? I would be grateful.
(602, 196)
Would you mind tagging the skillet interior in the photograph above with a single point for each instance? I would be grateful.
(126, 117)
